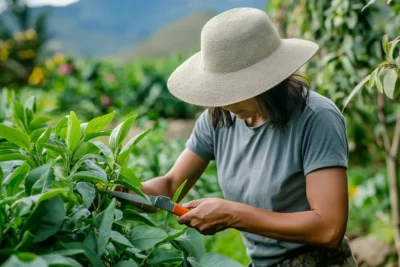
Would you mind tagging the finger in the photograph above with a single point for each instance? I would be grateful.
(185, 219)
(193, 204)
(119, 188)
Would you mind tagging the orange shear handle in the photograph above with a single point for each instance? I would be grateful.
(179, 210)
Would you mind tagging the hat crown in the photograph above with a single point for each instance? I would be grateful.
(237, 39)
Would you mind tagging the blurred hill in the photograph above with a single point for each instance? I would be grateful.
(182, 36)
(106, 28)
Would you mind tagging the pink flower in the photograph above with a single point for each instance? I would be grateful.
(65, 69)
(110, 77)
(105, 101)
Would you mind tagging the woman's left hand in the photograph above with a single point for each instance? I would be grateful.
(209, 215)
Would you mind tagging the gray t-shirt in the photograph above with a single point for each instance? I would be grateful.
(266, 168)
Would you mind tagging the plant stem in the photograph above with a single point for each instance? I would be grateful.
(145, 259)
(382, 120)
(391, 161)
(392, 169)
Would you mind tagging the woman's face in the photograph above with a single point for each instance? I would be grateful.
(245, 109)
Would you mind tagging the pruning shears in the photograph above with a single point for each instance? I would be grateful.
(161, 202)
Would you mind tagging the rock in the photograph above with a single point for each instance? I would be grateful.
(369, 251)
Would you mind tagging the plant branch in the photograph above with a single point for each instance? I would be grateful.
(394, 150)
(382, 120)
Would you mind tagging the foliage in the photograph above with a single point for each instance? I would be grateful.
(369, 203)
(20, 47)
(350, 35)
(53, 206)
(350, 48)
(95, 87)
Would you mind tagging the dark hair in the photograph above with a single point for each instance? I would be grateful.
(278, 103)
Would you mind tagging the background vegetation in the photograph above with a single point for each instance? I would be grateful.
(359, 50)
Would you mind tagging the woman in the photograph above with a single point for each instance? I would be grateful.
(281, 150)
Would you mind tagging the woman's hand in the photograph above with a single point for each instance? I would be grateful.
(209, 215)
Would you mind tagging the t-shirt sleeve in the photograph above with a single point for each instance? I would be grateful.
(201, 140)
(325, 141)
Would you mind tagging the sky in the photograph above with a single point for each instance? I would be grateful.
(36, 3)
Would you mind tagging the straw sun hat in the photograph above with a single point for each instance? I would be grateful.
(241, 56)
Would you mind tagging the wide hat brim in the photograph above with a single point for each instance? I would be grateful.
(191, 83)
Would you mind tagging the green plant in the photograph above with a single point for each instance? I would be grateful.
(53, 209)
(385, 79)
(95, 87)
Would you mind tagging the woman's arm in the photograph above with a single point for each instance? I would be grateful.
(324, 224)
(188, 166)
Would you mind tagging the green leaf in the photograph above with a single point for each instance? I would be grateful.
(22, 208)
(87, 246)
(130, 214)
(90, 246)
(44, 137)
(145, 237)
(192, 243)
(25, 259)
(120, 132)
(389, 81)
(378, 81)
(94, 135)
(128, 263)
(36, 134)
(104, 221)
(30, 103)
(19, 115)
(13, 180)
(174, 234)
(38, 121)
(39, 180)
(1, 178)
(43, 140)
(49, 194)
(79, 163)
(385, 44)
(132, 187)
(58, 150)
(89, 176)
(69, 252)
(106, 152)
(60, 125)
(46, 219)
(120, 239)
(218, 260)
(15, 136)
(87, 192)
(355, 90)
(129, 146)
(84, 149)
(73, 132)
(393, 45)
(16, 156)
(166, 254)
(193, 262)
(98, 124)
(175, 198)
(58, 260)
(129, 176)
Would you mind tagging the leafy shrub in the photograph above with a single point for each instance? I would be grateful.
(53, 209)
(95, 87)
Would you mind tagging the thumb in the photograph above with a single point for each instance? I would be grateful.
(193, 204)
